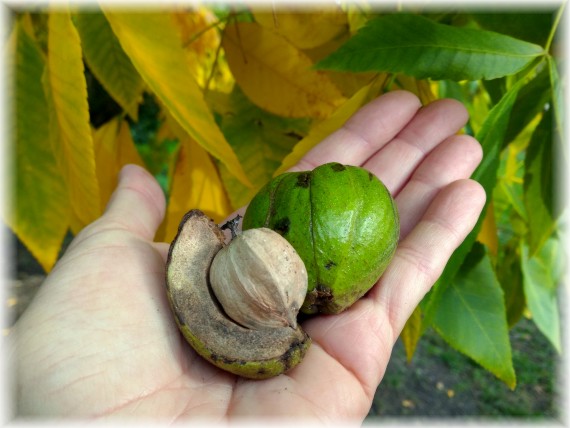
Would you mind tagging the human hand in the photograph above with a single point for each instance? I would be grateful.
(99, 339)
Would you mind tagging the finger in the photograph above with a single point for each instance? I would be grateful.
(137, 204)
(454, 159)
(431, 125)
(162, 248)
(365, 132)
(423, 254)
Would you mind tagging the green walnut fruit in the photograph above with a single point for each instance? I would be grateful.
(343, 223)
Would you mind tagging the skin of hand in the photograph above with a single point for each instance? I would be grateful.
(99, 340)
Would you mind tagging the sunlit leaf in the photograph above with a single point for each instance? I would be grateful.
(38, 214)
(277, 76)
(488, 233)
(326, 127)
(541, 274)
(114, 148)
(201, 40)
(261, 140)
(305, 30)
(471, 317)
(152, 43)
(479, 105)
(108, 61)
(358, 12)
(421, 88)
(195, 184)
(347, 82)
(412, 332)
(508, 204)
(69, 118)
(431, 50)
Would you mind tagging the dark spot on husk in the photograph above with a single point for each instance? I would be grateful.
(287, 357)
(370, 176)
(329, 265)
(294, 135)
(282, 226)
(337, 167)
(224, 360)
(324, 294)
(304, 179)
(261, 371)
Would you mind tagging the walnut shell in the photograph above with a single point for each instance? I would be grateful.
(260, 280)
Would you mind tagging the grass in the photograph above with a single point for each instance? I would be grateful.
(440, 382)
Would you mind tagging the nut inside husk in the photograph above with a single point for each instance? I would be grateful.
(252, 353)
(260, 280)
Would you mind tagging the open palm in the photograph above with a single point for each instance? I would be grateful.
(99, 340)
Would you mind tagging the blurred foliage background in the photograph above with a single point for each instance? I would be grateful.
(214, 101)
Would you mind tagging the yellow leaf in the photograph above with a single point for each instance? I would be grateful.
(275, 75)
(412, 332)
(25, 22)
(114, 148)
(478, 109)
(326, 127)
(488, 232)
(263, 140)
(69, 118)
(422, 88)
(37, 205)
(358, 12)
(195, 184)
(152, 42)
(108, 62)
(348, 82)
(308, 29)
(201, 40)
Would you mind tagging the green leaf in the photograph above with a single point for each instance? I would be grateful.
(491, 137)
(422, 48)
(541, 274)
(261, 141)
(471, 316)
(539, 184)
(531, 101)
(39, 213)
(509, 274)
(496, 88)
(532, 26)
(108, 62)
(558, 103)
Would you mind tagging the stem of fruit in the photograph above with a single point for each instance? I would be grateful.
(232, 225)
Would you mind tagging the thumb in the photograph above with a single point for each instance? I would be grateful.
(137, 204)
